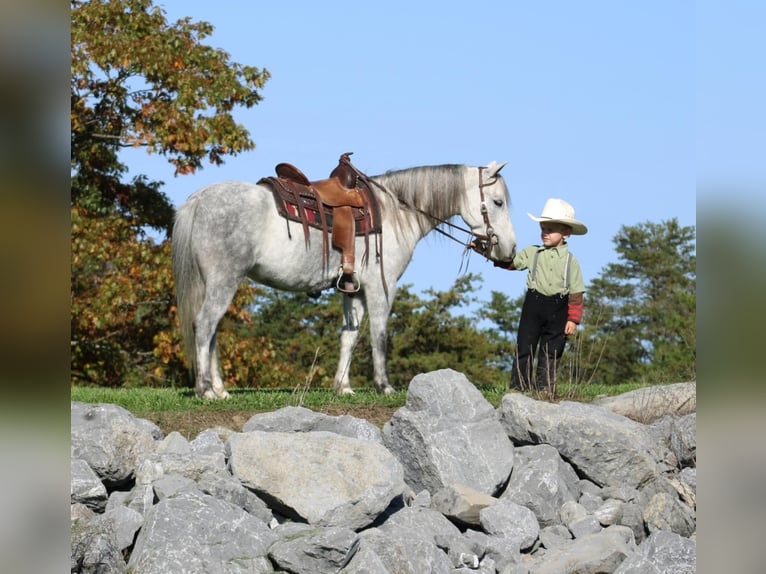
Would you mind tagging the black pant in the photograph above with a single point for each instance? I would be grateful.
(541, 334)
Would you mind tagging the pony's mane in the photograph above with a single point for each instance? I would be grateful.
(434, 190)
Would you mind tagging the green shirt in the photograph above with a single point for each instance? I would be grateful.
(551, 268)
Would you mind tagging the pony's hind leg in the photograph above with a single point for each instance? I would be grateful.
(208, 384)
(353, 313)
(215, 372)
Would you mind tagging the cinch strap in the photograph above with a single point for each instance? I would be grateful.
(533, 273)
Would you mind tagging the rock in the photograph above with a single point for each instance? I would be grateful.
(665, 512)
(322, 550)
(86, 487)
(512, 521)
(300, 419)
(683, 440)
(447, 433)
(462, 504)
(196, 533)
(321, 478)
(650, 403)
(542, 482)
(607, 448)
(95, 548)
(662, 553)
(110, 439)
(592, 554)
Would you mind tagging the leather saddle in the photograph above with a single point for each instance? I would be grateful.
(342, 206)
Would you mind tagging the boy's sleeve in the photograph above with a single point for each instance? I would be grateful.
(574, 309)
(519, 262)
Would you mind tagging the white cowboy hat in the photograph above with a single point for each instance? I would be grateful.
(559, 211)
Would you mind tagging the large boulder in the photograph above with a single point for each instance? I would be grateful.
(447, 433)
(194, 533)
(321, 478)
(111, 440)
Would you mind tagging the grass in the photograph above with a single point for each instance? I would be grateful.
(139, 400)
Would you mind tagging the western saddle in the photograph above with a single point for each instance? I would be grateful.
(341, 205)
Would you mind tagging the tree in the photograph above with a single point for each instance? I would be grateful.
(645, 305)
(139, 80)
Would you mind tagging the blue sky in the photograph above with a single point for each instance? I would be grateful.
(593, 102)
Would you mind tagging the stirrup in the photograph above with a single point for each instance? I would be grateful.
(347, 283)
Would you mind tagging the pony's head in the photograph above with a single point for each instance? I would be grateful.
(486, 211)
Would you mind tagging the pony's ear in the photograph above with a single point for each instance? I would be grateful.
(494, 168)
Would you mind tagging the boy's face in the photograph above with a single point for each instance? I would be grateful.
(554, 234)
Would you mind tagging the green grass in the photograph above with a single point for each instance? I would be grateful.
(142, 400)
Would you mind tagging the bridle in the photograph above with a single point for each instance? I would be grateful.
(477, 242)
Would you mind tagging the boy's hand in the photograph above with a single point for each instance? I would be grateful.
(570, 328)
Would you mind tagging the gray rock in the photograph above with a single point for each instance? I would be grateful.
(542, 481)
(584, 526)
(504, 552)
(95, 548)
(365, 561)
(610, 512)
(402, 553)
(196, 533)
(688, 476)
(173, 443)
(650, 403)
(447, 433)
(512, 521)
(461, 503)
(224, 486)
(555, 536)
(110, 439)
(571, 511)
(322, 550)
(590, 501)
(683, 440)
(421, 522)
(301, 419)
(592, 554)
(665, 512)
(605, 447)
(171, 484)
(208, 442)
(322, 478)
(633, 518)
(126, 523)
(662, 553)
(86, 487)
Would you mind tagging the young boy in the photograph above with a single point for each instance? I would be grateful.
(554, 300)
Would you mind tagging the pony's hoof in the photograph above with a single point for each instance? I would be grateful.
(387, 390)
(223, 395)
(345, 391)
(209, 395)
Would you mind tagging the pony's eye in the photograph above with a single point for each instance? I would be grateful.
(498, 202)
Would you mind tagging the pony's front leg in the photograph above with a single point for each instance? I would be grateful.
(353, 312)
(379, 343)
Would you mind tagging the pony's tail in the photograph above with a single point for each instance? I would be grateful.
(190, 288)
